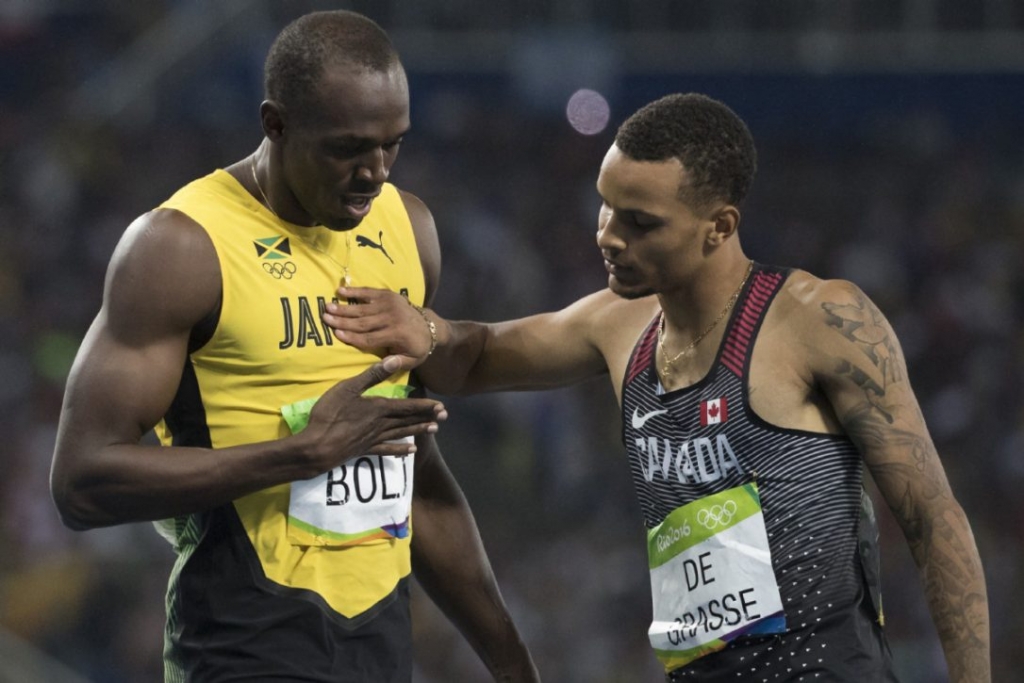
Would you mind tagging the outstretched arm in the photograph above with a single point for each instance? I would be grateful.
(861, 368)
(465, 357)
(583, 340)
(450, 563)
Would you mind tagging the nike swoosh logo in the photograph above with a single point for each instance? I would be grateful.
(640, 420)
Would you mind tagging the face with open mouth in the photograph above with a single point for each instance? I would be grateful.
(358, 205)
(353, 208)
(338, 156)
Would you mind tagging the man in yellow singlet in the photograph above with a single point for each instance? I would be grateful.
(754, 400)
(298, 481)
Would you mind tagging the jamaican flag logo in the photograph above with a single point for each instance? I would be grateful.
(272, 252)
(273, 248)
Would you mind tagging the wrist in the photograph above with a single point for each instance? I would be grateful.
(431, 328)
(442, 329)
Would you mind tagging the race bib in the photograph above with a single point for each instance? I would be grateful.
(711, 577)
(366, 498)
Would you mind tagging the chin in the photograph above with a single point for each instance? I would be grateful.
(342, 224)
(626, 292)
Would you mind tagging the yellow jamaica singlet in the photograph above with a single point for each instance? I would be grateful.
(249, 597)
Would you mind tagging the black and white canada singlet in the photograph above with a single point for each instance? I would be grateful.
(702, 440)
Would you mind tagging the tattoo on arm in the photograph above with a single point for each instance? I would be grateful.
(939, 536)
(863, 324)
(873, 391)
(888, 424)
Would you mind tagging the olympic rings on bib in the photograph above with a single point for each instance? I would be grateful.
(717, 515)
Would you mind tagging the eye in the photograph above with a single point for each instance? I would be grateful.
(642, 221)
(344, 150)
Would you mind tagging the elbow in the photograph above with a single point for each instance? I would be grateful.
(73, 515)
(70, 517)
(72, 503)
(73, 523)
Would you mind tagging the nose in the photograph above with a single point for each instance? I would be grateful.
(608, 240)
(374, 166)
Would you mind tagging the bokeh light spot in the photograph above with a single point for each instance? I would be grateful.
(588, 111)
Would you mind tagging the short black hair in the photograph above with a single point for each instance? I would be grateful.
(302, 50)
(706, 136)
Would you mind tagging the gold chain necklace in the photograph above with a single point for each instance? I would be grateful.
(689, 348)
(346, 277)
(255, 179)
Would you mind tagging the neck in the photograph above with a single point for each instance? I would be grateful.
(693, 306)
(278, 202)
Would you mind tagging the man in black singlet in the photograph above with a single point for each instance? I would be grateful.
(753, 399)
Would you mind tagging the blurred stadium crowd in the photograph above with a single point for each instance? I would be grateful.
(910, 183)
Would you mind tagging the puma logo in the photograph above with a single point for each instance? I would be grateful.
(367, 242)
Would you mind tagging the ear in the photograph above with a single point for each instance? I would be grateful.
(725, 219)
(272, 119)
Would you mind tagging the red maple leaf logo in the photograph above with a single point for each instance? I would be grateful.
(713, 412)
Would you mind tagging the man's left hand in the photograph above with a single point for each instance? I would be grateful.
(382, 322)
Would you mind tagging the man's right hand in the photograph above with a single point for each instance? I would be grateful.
(344, 424)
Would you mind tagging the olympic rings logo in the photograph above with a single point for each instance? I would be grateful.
(717, 515)
(280, 271)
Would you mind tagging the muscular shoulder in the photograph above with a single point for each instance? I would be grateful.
(427, 244)
(164, 275)
(806, 301)
(828, 320)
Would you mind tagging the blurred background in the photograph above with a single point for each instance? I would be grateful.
(891, 141)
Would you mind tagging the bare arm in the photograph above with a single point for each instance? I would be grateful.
(450, 563)
(163, 279)
(859, 364)
(536, 352)
(467, 357)
(542, 351)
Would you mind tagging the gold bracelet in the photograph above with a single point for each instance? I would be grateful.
(430, 326)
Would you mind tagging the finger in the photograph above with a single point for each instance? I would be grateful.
(426, 409)
(358, 310)
(373, 375)
(400, 427)
(361, 294)
(372, 342)
(392, 449)
(396, 434)
(350, 338)
(408, 362)
(402, 436)
(355, 323)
